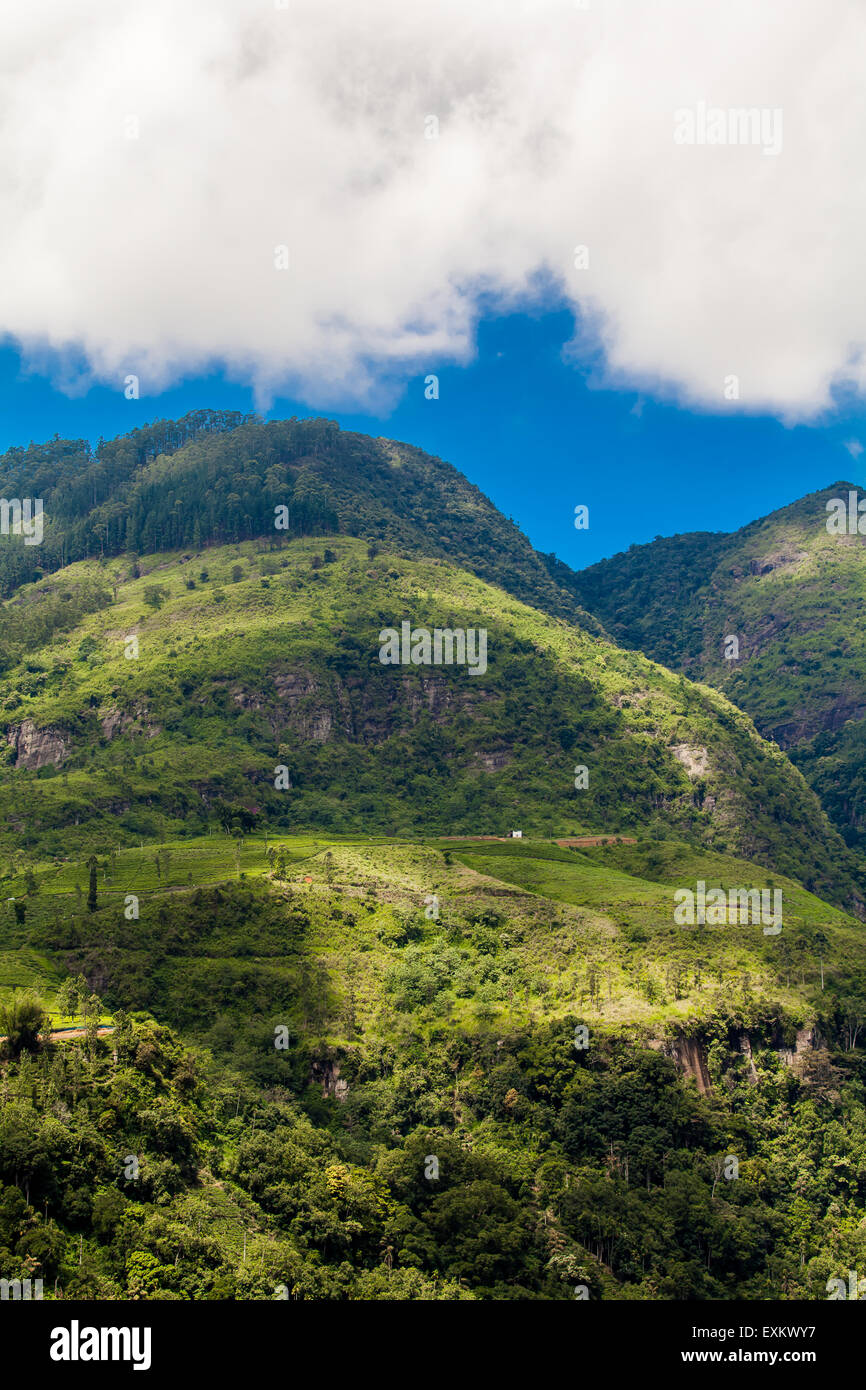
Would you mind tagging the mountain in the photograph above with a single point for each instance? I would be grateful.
(283, 1011)
(256, 649)
(793, 594)
(216, 477)
(191, 679)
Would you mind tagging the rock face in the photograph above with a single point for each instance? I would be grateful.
(689, 1057)
(689, 1054)
(319, 708)
(828, 719)
(299, 703)
(327, 1074)
(432, 694)
(693, 758)
(35, 748)
(807, 1041)
(115, 721)
(494, 762)
(746, 1049)
(785, 559)
(305, 706)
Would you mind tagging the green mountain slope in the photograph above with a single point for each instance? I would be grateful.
(352, 1054)
(218, 476)
(251, 659)
(372, 1099)
(794, 596)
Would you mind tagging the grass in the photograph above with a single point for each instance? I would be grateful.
(198, 717)
(347, 943)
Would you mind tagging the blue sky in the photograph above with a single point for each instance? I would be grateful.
(527, 427)
(314, 195)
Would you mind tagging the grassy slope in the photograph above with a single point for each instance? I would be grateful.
(454, 1036)
(566, 912)
(205, 720)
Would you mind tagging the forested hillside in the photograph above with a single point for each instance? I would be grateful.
(541, 1090)
(283, 1011)
(254, 657)
(793, 594)
(217, 476)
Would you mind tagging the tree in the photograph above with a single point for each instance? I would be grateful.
(853, 1011)
(155, 595)
(21, 1021)
(162, 859)
(91, 892)
(94, 1009)
(66, 998)
(593, 984)
(77, 996)
(821, 943)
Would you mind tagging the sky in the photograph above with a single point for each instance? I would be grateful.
(532, 433)
(626, 238)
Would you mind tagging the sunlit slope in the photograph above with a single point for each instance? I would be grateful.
(468, 935)
(346, 1007)
(172, 692)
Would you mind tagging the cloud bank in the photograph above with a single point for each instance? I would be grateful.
(419, 165)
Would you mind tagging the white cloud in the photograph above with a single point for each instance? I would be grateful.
(306, 126)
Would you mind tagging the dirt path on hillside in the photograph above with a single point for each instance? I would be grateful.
(596, 840)
(563, 844)
(73, 1032)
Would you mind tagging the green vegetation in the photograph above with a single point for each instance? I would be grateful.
(795, 597)
(216, 477)
(277, 1021)
(358, 1099)
(106, 749)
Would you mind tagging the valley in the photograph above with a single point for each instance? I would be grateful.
(289, 1010)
